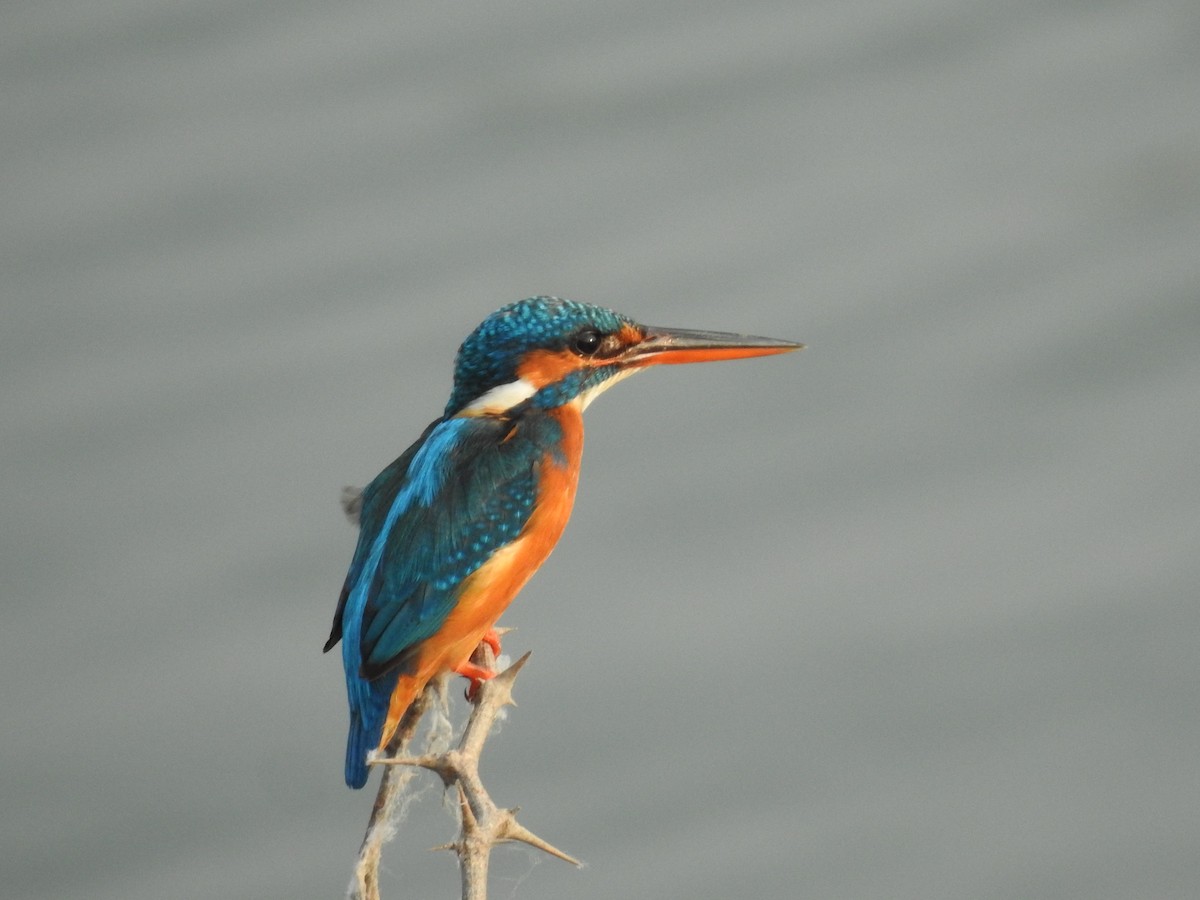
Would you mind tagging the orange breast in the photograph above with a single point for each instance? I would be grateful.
(487, 592)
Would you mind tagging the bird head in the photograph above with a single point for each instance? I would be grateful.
(548, 352)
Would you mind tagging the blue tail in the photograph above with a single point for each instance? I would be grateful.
(368, 709)
(358, 745)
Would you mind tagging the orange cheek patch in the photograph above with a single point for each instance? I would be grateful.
(543, 367)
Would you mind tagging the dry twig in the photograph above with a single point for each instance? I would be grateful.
(483, 824)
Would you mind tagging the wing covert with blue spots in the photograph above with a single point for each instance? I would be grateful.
(467, 491)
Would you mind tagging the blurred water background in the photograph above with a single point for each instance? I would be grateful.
(912, 614)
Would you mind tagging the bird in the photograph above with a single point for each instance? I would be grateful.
(452, 530)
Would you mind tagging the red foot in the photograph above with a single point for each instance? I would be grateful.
(492, 639)
(479, 674)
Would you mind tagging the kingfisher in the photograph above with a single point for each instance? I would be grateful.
(457, 524)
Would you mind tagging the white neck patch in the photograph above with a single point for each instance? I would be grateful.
(501, 398)
(504, 397)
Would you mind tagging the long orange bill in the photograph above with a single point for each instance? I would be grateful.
(669, 346)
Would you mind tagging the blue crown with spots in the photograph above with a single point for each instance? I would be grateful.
(490, 355)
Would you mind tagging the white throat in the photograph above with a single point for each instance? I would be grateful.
(586, 397)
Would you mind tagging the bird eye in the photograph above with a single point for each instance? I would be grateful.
(586, 342)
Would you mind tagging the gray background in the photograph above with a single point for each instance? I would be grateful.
(912, 614)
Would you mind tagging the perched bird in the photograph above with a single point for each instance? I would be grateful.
(452, 530)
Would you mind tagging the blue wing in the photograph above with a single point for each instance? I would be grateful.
(429, 520)
(373, 503)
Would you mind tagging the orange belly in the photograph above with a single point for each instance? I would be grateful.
(486, 593)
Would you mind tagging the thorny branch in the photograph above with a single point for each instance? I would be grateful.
(482, 823)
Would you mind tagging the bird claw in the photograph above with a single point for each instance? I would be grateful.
(477, 674)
